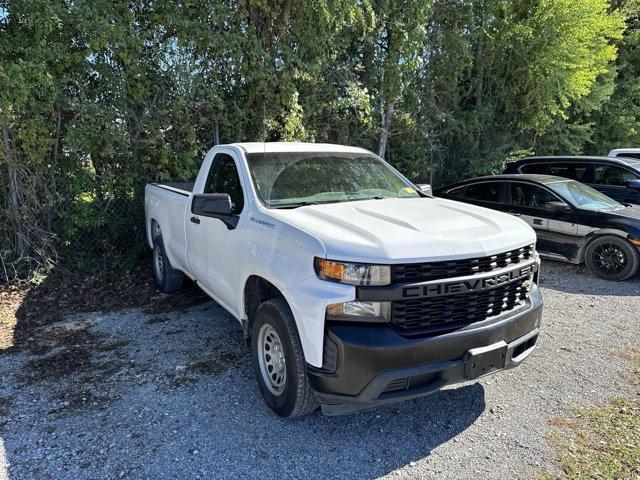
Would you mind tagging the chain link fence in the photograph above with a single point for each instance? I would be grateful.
(71, 236)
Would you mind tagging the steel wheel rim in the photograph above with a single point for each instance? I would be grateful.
(272, 360)
(158, 262)
(610, 258)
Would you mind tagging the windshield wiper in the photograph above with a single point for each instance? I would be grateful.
(295, 205)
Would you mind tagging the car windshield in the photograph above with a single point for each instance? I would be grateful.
(584, 196)
(293, 179)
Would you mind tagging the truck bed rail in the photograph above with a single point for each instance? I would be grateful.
(183, 188)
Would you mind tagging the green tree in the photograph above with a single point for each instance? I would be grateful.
(501, 73)
(97, 98)
(617, 123)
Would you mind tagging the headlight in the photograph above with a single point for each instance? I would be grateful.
(353, 273)
(379, 312)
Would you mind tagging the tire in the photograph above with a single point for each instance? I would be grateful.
(612, 258)
(169, 279)
(288, 393)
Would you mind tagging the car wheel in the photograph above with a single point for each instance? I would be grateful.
(279, 362)
(612, 258)
(169, 279)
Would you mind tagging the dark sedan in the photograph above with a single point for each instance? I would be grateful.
(573, 221)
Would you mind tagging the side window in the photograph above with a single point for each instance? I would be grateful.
(613, 175)
(223, 178)
(484, 192)
(541, 168)
(628, 155)
(574, 171)
(530, 196)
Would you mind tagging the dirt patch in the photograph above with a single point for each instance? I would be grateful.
(11, 297)
(602, 442)
(25, 307)
(43, 340)
(630, 354)
(77, 364)
(559, 422)
(219, 360)
(116, 345)
(215, 364)
(61, 364)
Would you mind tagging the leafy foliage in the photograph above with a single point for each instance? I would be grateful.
(98, 97)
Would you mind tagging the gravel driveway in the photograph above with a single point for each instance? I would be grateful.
(136, 395)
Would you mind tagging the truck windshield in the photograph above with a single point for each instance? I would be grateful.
(583, 196)
(292, 179)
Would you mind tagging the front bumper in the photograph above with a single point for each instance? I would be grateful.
(375, 365)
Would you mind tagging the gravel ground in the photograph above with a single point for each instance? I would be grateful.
(172, 395)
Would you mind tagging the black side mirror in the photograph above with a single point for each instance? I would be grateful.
(557, 207)
(213, 204)
(634, 184)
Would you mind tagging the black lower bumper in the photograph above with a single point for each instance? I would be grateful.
(375, 365)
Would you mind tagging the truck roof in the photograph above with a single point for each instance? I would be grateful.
(260, 147)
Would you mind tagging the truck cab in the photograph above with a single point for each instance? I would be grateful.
(354, 287)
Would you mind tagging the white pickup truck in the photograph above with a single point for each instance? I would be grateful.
(354, 288)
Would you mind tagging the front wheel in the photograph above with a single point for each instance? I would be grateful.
(612, 258)
(278, 361)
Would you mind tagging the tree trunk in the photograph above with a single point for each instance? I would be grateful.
(53, 171)
(480, 63)
(367, 62)
(387, 113)
(14, 191)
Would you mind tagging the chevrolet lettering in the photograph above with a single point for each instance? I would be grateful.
(471, 285)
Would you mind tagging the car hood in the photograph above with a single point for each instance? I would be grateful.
(408, 229)
(632, 212)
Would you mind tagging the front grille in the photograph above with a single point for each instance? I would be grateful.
(432, 315)
(423, 272)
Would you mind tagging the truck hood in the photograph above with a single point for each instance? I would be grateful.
(398, 230)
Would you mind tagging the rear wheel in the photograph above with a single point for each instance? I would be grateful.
(278, 361)
(612, 258)
(169, 279)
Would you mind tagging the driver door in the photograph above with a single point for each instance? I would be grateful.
(557, 231)
(212, 242)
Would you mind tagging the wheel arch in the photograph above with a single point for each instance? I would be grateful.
(153, 231)
(598, 234)
(256, 291)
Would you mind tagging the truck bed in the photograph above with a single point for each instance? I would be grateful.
(184, 188)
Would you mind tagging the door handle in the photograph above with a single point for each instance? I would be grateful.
(195, 220)
(537, 221)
